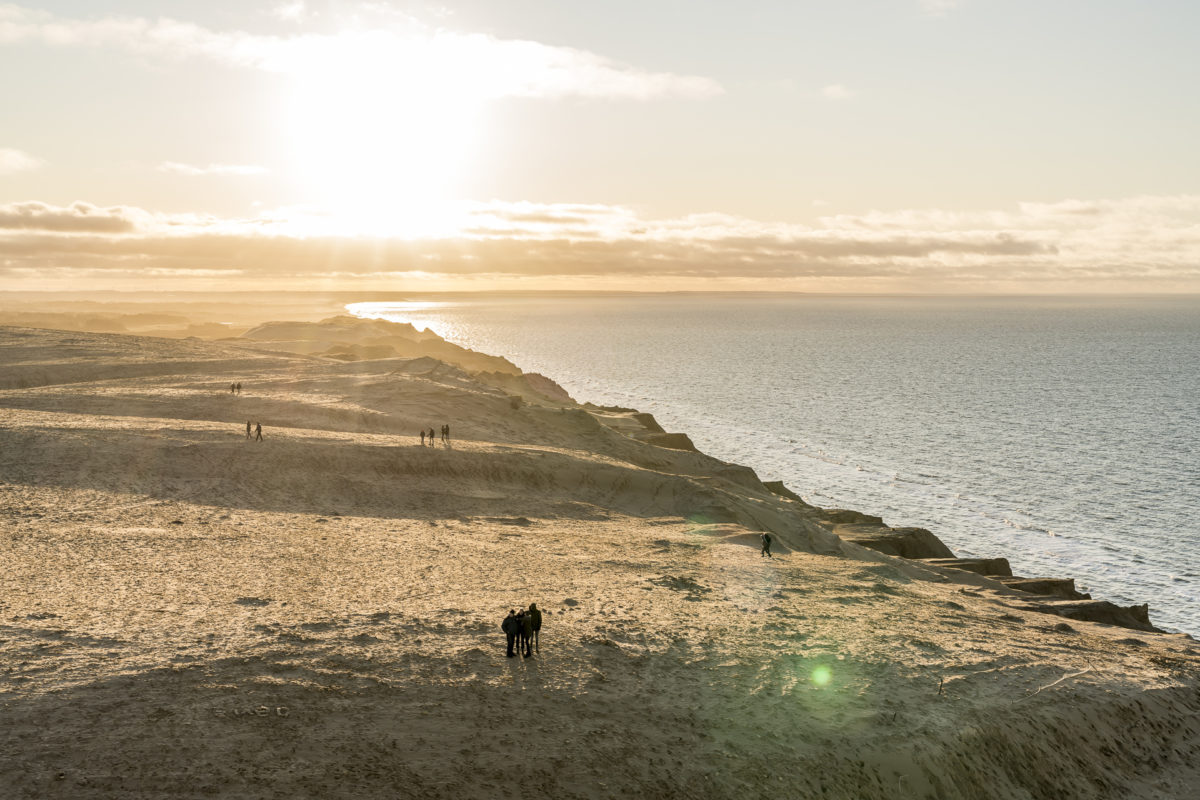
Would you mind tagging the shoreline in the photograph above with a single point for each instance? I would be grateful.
(987, 558)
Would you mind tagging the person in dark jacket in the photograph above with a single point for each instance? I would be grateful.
(527, 633)
(535, 616)
(511, 628)
(766, 545)
(258, 432)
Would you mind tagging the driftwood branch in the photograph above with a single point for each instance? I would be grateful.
(1054, 683)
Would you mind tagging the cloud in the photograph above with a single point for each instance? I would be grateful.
(292, 12)
(77, 218)
(404, 51)
(12, 161)
(836, 91)
(939, 8)
(1134, 244)
(177, 168)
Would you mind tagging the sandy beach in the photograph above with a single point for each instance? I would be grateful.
(188, 613)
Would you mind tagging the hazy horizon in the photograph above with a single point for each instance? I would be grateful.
(906, 147)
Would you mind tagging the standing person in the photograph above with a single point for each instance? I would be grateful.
(258, 432)
(527, 633)
(422, 437)
(239, 387)
(766, 545)
(431, 437)
(535, 616)
(510, 626)
(231, 388)
(247, 429)
(447, 436)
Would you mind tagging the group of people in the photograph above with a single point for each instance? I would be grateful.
(521, 628)
(235, 388)
(257, 431)
(430, 435)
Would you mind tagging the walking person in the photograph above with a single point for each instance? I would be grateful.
(766, 545)
(511, 627)
(247, 429)
(239, 387)
(431, 437)
(535, 617)
(422, 437)
(232, 387)
(258, 432)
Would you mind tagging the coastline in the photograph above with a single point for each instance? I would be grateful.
(987, 557)
(318, 614)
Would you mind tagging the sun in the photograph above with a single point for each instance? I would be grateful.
(382, 138)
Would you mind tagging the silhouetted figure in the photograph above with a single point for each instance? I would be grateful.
(445, 432)
(511, 627)
(258, 432)
(535, 617)
(247, 429)
(766, 545)
(527, 633)
(232, 388)
(431, 437)
(239, 387)
(422, 437)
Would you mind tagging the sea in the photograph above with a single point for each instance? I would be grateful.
(1062, 433)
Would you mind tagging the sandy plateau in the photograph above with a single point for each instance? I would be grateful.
(188, 613)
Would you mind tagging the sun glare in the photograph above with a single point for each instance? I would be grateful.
(382, 140)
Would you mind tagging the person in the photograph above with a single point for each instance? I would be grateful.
(535, 616)
(247, 429)
(510, 626)
(766, 545)
(422, 437)
(232, 387)
(445, 432)
(258, 432)
(527, 633)
(431, 437)
(239, 387)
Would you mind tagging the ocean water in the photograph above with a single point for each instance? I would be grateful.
(1061, 433)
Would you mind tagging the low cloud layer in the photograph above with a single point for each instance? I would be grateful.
(404, 50)
(77, 218)
(1143, 243)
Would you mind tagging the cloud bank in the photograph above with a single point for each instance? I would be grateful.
(406, 50)
(1134, 244)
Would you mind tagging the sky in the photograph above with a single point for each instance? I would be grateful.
(874, 146)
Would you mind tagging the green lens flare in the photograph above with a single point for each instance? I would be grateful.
(821, 676)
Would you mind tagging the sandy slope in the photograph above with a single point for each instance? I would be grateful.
(186, 613)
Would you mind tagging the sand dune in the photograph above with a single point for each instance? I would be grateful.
(187, 613)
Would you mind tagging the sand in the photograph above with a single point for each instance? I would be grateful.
(185, 613)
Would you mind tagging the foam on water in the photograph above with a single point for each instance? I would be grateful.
(1060, 433)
